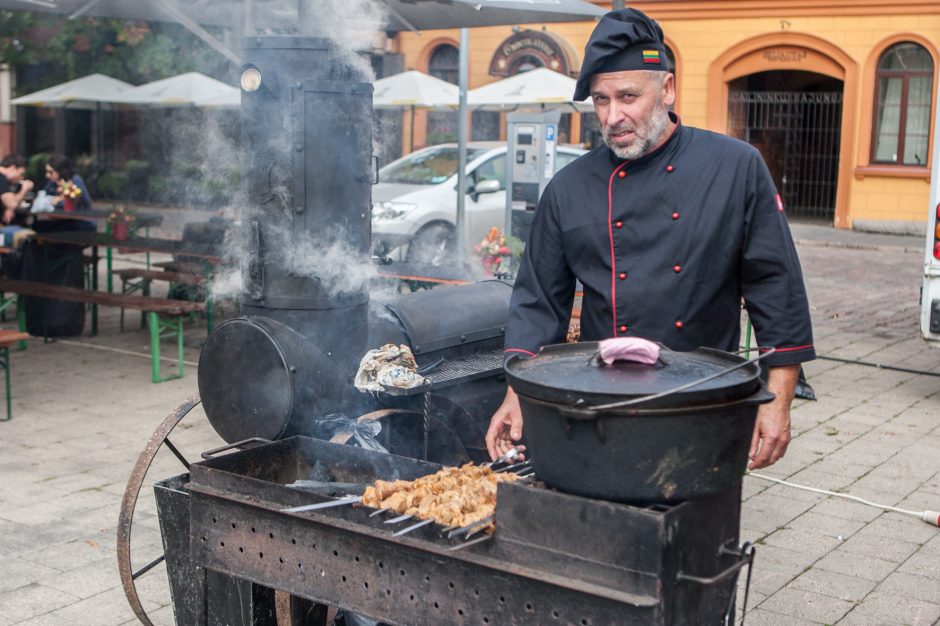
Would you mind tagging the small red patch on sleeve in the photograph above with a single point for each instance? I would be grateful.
(779, 201)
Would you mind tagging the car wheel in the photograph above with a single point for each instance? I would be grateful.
(433, 245)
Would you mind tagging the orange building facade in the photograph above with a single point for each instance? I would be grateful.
(837, 94)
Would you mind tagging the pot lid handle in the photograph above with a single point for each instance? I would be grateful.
(763, 353)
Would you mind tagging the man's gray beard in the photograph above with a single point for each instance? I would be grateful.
(646, 137)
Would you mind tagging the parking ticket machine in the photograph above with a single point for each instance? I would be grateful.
(532, 139)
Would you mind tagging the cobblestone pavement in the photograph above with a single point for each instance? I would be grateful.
(84, 408)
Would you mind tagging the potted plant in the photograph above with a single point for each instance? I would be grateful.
(496, 250)
(120, 220)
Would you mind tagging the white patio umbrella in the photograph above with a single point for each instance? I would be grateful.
(88, 92)
(541, 86)
(414, 90)
(191, 88)
(85, 92)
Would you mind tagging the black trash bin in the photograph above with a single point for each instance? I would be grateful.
(55, 265)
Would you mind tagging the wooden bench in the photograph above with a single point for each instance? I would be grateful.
(157, 310)
(182, 267)
(138, 280)
(7, 339)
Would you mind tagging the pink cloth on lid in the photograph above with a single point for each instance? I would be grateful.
(629, 349)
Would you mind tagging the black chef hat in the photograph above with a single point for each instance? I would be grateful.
(623, 40)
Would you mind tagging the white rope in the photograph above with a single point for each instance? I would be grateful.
(931, 517)
(145, 355)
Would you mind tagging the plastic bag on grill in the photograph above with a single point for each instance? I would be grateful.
(339, 428)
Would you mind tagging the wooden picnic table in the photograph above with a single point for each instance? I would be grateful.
(141, 220)
(86, 239)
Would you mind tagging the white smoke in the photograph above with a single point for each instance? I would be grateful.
(351, 25)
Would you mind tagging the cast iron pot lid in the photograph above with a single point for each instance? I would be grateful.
(569, 375)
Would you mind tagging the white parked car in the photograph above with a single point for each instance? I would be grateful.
(414, 204)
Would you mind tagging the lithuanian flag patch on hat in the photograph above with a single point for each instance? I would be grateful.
(651, 56)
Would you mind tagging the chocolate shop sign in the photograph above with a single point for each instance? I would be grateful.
(528, 45)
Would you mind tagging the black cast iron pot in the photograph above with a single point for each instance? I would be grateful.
(669, 439)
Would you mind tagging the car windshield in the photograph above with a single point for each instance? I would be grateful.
(431, 166)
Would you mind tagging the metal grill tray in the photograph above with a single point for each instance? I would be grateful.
(455, 371)
(554, 557)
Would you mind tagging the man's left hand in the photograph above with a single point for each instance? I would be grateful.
(772, 430)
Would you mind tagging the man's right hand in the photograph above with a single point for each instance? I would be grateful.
(26, 185)
(505, 427)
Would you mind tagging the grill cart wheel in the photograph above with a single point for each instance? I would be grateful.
(129, 504)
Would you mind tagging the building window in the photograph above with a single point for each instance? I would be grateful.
(904, 82)
(444, 64)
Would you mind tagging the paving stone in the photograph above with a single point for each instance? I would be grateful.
(109, 607)
(20, 573)
(86, 581)
(897, 526)
(848, 588)
(911, 586)
(777, 508)
(887, 609)
(807, 605)
(894, 550)
(865, 567)
(838, 507)
(762, 617)
(810, 545)
(73, 554)
(827, 525)
(31, 601)
(924, 563)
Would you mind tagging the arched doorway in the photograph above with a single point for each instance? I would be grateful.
(444, 64)
(806, 90)
(794, 118)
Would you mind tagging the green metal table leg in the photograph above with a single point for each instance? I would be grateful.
(21, 318)
(157, 326)
(5, 359)
(109, 259)
(94, 287)
(154, 321)
(179, 346)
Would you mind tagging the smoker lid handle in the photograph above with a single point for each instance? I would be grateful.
(208, 454)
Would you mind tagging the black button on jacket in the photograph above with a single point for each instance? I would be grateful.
(666, 247)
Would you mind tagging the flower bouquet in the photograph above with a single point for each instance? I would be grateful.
(496, 250)
(69, 192)
(120, 220)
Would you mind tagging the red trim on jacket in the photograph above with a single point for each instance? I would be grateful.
(520, 350)
(790, 349)
(610, 230)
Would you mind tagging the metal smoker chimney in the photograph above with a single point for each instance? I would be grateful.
(306, 118)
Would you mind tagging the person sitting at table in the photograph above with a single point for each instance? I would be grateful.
(13, 185)
(59, 169)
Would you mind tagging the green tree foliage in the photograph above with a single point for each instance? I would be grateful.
(49, 49)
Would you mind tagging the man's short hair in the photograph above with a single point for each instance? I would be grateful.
(13, 160)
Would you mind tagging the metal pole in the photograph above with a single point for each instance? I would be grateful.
(619, 4)
(462, 143)
(249, 17)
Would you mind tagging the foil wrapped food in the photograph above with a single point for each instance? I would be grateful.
(388, 366)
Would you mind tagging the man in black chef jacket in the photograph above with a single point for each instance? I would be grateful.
(667, 227)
